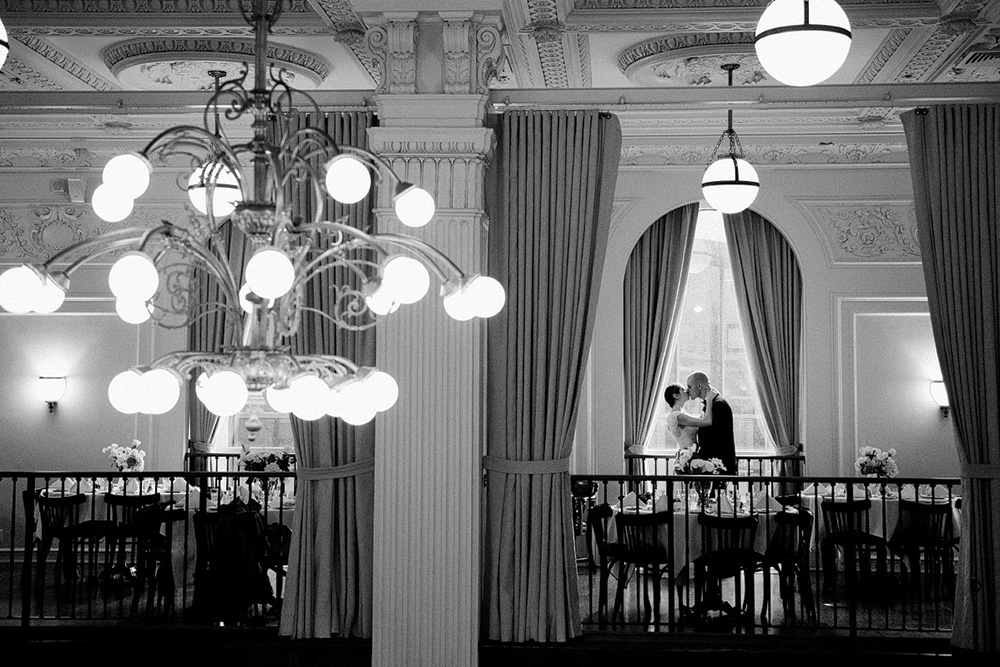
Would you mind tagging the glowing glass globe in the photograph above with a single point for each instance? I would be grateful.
(224, 393)
(730, 185)
(123, 392)
(4, 44)
(133, 311)
(128, 174)
(225, 195)
(49, 297)
(134, 277)
(270, 273)
(414, 206)
(110, 204)
(347, 179)
(487, 294)
(406, 279)
(802, 42)
(159, 391)
(19, 287)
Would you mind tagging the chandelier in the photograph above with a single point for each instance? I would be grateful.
(155, 275)
(802, 42)
(730, 184)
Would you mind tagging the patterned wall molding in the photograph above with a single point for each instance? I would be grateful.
(35, 232)
(67, 63)
(865, 232)
(47, 158)
(120, 8)
(774, 154)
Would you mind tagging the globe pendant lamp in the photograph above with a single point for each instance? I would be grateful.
(730, 184)
(802, 42)
(4, 44)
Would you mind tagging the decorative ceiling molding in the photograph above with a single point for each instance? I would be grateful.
(923, 63)
(865, 232)
(124, 8)
(158, 61)
(768, 154)
(66, 63)
(888, 48)
(49, 158)
(18, 76)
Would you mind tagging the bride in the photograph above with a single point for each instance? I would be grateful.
(685, 418)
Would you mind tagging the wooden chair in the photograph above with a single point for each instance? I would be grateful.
(124, 532)
(640, 549)
(206, 528)
(787, 552)
(607, 557)
(584, 495)
(926, 530)
(727, 552)
(846, 523)
(59, 517)
(278, 544)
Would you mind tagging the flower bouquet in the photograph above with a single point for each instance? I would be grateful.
(127, 459)
(686, 464)
(873, 462)
(260, 461)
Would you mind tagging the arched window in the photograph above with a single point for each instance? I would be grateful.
(710, 339)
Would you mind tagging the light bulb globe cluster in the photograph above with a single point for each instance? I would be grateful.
(480, 296)
(24, 290)
(124, 179)
(133, 280)
(153, 392)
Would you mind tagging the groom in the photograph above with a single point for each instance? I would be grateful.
(715, 441)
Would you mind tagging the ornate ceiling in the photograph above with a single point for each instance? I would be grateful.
(617, 46)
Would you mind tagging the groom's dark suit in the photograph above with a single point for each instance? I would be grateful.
(716, 441)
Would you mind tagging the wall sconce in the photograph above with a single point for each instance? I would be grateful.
(52, 389)
(940, 395)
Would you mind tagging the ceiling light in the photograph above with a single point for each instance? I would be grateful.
(730, 184)
(802, 42)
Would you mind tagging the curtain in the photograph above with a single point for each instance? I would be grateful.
(769, 297)
(653, 294)
(329, 586)
(956, 184)
(554, 176)
(213, 331)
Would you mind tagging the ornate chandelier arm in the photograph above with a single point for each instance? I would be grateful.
(103, 244)
(217, 264)
(431, 256)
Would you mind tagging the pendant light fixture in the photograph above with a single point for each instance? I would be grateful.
(730, 184)
(802, 42)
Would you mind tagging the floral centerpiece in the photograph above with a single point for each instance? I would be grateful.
(685, 463)
(128, 459)
(874, 462)
(261, 461)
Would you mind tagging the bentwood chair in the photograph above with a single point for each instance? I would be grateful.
(787, 553)
(641, 550)
(59, 517)
(608, 554)
(123, 545)
(847, 533)
(727, 552)
(926, 530)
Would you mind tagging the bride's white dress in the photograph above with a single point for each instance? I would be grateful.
(684, 435)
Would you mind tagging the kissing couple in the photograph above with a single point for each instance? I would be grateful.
(701, 422)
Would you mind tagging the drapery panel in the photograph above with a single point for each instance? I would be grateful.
(215, 330)
(956, 184)
(554, 175)
(652, 298)
(329, 586)
(769, 297)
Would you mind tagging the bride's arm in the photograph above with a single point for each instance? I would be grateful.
(684, 419)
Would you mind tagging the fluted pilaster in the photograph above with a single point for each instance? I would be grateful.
(428, 477)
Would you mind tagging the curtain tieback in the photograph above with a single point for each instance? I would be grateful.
(543, 467)
(979, 470)
(336, 472)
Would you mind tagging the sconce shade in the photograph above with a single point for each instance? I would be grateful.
(730, 185)
(52, 388)
(939, 393)
(802, 42)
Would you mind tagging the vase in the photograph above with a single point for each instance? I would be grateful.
(704, 493)
(132, 486)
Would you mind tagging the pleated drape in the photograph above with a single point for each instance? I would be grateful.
(769, 297)
(652, 297)
(555, 175)
(329, 586)
(956, 185)
(215, 330)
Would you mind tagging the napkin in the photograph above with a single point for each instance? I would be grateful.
(820, 489)
(726, 505)
(70, 487)
(763, 502)
(630, 502)
(662, 503)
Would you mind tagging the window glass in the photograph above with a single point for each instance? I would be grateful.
(710, 339)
